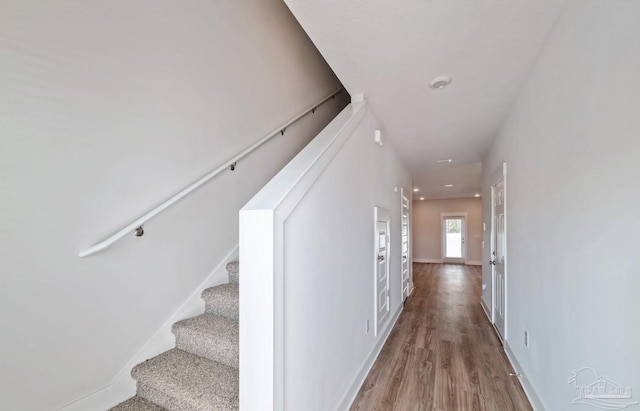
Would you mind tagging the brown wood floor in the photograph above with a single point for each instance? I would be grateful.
(443, 353)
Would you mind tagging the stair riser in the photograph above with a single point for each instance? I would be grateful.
(223, 349)
(159, 398)
(218, 308)
(222, 300)
(233, 270)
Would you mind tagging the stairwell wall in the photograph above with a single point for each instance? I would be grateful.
(329, 271)
(571, 147)
(106, 109)
(325, 251)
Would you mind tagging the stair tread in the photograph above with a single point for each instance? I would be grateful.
(137, 404)
(210, 336)
(193, 381)
(222, 300)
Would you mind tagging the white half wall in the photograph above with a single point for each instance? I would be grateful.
(571, 146)
(321, 287)
(107, 109)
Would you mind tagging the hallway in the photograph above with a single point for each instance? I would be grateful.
(443, 353)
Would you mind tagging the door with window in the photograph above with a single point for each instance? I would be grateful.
(453, 238)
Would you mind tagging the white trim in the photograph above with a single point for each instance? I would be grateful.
(427, 260)
(404, 199)
(123, 386)
(506, 250)
(358, 380)
(96, 400)
(485, 308)
(436, 261)
(529, 391)
(500, 174)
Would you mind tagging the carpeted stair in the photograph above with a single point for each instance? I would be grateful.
(201, 373)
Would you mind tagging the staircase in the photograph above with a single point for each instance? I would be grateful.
(201, 373)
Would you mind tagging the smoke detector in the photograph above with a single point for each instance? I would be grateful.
(439, 83)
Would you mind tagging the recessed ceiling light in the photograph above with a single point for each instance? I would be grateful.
(416, 189)
(444, 161)
(448, 185)
(421, 198)
(477, 195)
(439, 83)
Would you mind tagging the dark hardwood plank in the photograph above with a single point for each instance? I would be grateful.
(443, 353)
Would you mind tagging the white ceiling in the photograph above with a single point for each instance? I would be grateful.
(389, 51)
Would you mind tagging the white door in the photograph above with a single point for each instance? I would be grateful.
(453, 238)
(498, 256)
(407, 285)
(382, 220)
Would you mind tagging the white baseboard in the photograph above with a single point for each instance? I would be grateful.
(101, 399)
(536, 404)
(486, 309)
(358, 380)
(440, 261)
(123, 386)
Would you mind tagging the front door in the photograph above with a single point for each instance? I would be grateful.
(498, 256)
(453, 244)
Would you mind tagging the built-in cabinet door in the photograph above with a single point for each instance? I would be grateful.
(382, 295)
(382, 273)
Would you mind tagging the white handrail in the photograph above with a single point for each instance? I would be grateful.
(131, 227)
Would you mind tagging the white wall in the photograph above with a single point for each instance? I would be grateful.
(106, 109)
(571, 146)
(427, 228)
(329, 263)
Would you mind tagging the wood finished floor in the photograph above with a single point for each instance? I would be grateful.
(443, 353)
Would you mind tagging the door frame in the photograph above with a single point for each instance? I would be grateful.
(500, 174)
(446, 260)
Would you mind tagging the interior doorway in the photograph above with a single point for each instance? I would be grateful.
(453, 237)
